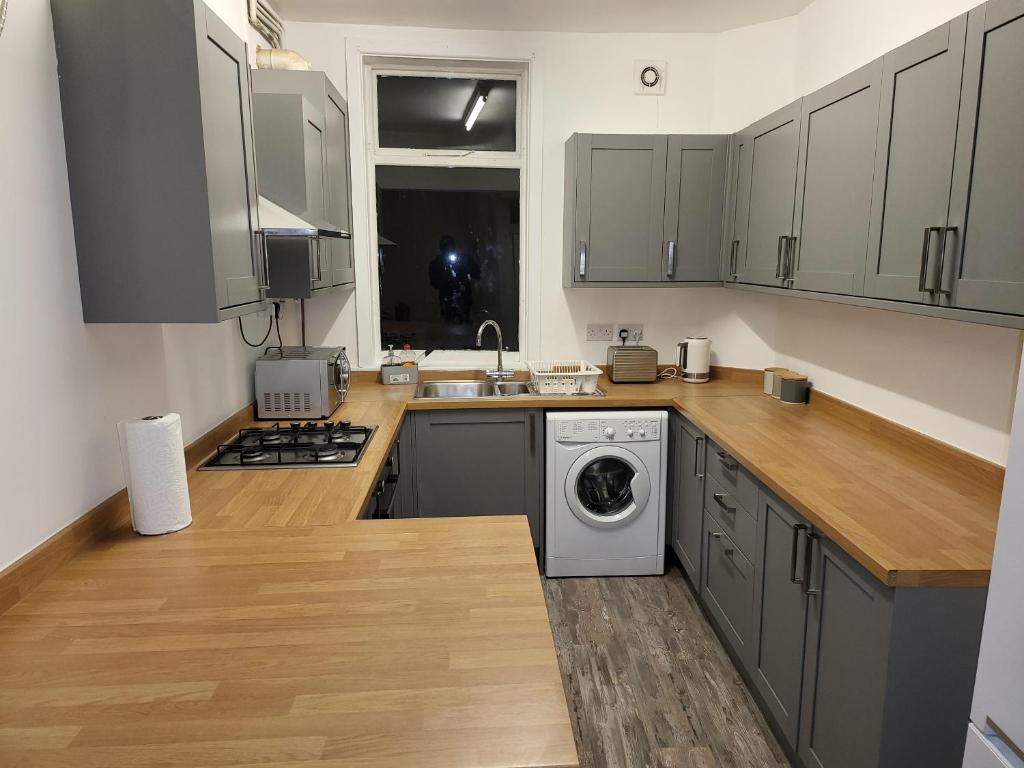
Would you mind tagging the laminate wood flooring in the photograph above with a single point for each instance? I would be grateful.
(648, 683)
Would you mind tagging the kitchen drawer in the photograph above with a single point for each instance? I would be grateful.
(728, 587)
(733, 478)
(739, 521)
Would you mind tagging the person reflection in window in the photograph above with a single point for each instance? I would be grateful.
(452, 275)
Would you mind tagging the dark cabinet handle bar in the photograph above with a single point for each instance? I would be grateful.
(797, 530)
(942, 259)
(779, 274)
(697, 459)
(671, 259)
(583, 260)
(791, 258)
(733, 259)
(926, 247)
(720, 500)
(813, 543)
(728, 461)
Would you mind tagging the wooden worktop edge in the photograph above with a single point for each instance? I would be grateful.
(26, 573)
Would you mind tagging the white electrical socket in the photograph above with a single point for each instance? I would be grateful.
(636, 332)
(599, 332)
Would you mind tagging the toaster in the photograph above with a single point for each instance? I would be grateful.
(632, 364)
(301, 382)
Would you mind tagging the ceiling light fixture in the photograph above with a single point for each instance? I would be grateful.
(476, 105)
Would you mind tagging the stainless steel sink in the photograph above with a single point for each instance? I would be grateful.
(510, 388)
(456, 389)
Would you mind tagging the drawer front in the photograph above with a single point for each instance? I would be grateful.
(739, 521)
(728, 586)
(731, 476)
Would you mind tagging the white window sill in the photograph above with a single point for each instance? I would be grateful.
(466, 360)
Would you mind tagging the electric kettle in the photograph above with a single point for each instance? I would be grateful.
(695, 359)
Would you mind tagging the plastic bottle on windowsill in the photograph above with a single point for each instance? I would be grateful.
(408, 354)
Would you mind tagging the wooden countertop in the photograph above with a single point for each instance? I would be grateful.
(913, 511)
(419, 643)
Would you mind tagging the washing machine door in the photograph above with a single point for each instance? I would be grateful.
(607, 487)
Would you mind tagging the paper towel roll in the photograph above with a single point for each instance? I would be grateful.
(153, 457)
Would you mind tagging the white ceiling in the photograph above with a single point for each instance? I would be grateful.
(547, 15)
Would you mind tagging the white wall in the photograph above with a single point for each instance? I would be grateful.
(894, 364)
(66, 384)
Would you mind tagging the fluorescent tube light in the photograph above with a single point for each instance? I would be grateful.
(474, 113)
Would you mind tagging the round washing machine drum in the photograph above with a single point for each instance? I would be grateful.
(607, 487)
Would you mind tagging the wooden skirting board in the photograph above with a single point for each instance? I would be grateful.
(24, 574)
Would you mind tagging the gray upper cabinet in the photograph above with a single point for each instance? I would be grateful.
(616, 208)
(780, 612)
(694, 206)
(687, 497)
(160, 161)
(481, 462)
(302, 152)
(766, 193)
(834, 177)
(918, 112)
(983, 254)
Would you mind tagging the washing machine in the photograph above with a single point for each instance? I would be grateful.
(605, 495)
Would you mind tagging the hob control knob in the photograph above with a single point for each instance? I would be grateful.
(609, 432)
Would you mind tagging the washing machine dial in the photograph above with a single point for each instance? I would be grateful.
(609, 432)
(643, 432)
(629, 432)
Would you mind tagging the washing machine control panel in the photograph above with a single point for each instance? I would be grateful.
(597, 430)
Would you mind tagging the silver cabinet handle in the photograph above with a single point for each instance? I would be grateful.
(720, 501)
(728, 461)
(263, 278)
(813, 543)
(733, 257)
(319, 267)
(583, 260)
(779, 274)
(671, 270)
(926, 247)
(942, 259)
(791, 258)
(697, 463)
(797, 530)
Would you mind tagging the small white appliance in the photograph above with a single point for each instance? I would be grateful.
(695, 359)
(605, 496)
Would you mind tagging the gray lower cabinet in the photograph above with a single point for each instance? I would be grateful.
(160, 161)
(405, 493)
(766, 195)
(918, 113)
(687, 494)
(984, 268)
(727, 587)
(834, 178)
(780, 613)
(481, 462)
(302, 152)
(694, 206)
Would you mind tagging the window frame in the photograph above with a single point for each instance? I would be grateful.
(367, 59)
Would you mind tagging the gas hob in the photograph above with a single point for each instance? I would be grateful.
(294, 445)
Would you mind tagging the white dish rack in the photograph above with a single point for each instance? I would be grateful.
(563, 377)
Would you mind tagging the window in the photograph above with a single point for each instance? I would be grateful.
(448, 249)
(445, 155)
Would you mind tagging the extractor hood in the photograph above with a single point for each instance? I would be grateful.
(275, 221)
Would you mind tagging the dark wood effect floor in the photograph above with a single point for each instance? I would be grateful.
(648, 682)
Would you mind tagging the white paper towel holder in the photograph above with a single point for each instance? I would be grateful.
(155, 476)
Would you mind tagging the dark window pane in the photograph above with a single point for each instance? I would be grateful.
(431, 113)
(449, 255)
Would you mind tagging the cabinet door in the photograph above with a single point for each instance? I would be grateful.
(984, 253)
(230, 170)
(835, 169)
(477, 462)
(694, 205)
(846, 663)
(768, 177)
(727, 588)
(314, 143)
(920, 102)
(339, 182)
(687, 496)
(405, 494)
(620, 207)
(780, 612)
